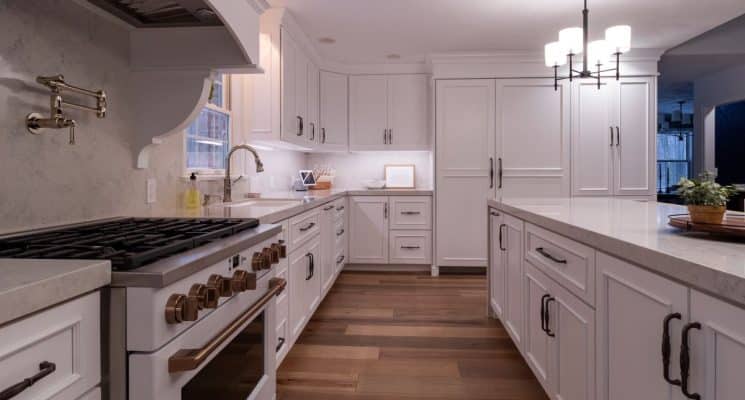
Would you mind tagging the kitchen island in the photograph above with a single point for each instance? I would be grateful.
(590, 290)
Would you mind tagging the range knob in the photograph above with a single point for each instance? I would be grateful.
(258, 261)
(222, 285)
(270, 255)
(180, 308)
(281, 247)
(242, 281)
(207, 297)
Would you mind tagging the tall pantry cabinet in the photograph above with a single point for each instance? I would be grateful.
(524, 138)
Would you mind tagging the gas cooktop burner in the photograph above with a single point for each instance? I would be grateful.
(129, 243)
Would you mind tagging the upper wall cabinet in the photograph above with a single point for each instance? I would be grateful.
(223, 32)
(389, 112)
(333, 112)
(287, 109)
(613, 137)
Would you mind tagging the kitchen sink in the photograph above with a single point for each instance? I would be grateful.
(251, 208)
(264, 203)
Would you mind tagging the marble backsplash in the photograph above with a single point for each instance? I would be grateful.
(44, 180)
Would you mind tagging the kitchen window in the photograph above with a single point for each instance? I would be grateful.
(208, 138)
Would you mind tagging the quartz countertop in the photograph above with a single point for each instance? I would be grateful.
(27, 286)
(637, 231)
(270, 209)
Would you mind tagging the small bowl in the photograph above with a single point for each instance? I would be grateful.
(374, 184)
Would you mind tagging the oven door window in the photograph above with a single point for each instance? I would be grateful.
(235, 372)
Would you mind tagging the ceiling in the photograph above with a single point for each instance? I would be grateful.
(366, 31)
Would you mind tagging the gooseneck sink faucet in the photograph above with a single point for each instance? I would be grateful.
(228, 183)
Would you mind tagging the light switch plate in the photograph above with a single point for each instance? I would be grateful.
(151, 188)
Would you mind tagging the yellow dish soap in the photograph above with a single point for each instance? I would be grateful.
(193, 198)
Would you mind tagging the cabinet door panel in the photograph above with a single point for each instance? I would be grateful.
(368, 112)
(407, 112)
(313, 285)
(497, 274)
(368, 229)
(299, 271)
(717, 349)
(514, 312)
(301, 90)
(532, 125)
(574, 346)
(537, 345)
(631, 307)
(314, 129)
(592, 138)
(634, 174)
(465, 147)
(328, 247)
(334, 127)
(288, 60)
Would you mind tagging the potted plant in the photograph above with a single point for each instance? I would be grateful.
(706, 199)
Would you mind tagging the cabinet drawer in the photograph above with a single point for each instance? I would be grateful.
(67, 336)
(303, 227)
(570, 263)
(282, 299)
(410, 247)
(411, 212)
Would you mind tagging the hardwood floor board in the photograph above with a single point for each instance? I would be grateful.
(405, 336)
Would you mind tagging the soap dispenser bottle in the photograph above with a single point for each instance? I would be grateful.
(193, 198)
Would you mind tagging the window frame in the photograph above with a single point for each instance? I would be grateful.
(212, 173)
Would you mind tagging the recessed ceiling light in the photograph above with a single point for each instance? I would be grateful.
(393, 56)
(327, 40)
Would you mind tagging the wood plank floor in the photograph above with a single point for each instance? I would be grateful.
(405, 336)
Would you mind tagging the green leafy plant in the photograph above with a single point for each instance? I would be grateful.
(704, 191)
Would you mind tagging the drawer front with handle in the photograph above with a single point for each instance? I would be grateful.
(303, 227)
(410, 247)
(411, 212)
(570, 263)
(53, 354)
(340, 208)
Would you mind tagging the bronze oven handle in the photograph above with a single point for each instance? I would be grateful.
(45, 368)
(191, 359)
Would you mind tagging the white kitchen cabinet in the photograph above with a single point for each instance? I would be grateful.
(465, 164)
(497, 275)
(368, 226)
(66, 337)
(613, 133)
(314, 96)
(631, 306)
(292, 128)
(334, 133)
(536, 348)
(410, 247)
(717, 348)
(388, 112)
(511, 244)
(305, 284)
(532, 138)
(328, 246)
(390, 230)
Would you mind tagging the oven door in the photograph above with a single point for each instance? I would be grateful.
(227, 355)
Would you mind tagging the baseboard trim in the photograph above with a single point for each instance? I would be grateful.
(388, 267)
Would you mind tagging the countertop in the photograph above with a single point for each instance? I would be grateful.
(637, 231)
(269, 213)
(27, 286)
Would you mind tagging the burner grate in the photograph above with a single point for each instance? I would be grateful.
(129, 243)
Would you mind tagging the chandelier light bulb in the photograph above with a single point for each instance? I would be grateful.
(619, 38)
(572, 39)
(556, 55)
(598, 53)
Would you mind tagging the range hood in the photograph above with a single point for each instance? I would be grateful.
(175, 49)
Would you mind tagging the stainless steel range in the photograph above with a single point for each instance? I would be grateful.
(191, 309)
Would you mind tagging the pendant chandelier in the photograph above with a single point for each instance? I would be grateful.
(596, 54)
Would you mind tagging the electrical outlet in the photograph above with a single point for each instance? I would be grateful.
(151, 188)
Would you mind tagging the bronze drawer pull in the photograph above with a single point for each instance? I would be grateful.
(191, 359)
(549, 256)
(340, 259)
(341, 232)
(307, 227)
(411, 247)
(410, 212)
(45, 368)
(339, 208)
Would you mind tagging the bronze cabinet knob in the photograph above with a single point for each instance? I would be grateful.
(175, 308)
(221, 284)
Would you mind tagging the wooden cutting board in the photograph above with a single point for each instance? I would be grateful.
(732, 225)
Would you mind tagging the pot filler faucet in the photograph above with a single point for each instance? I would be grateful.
(228, 183)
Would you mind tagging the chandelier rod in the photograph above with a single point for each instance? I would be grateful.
(585, 24)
